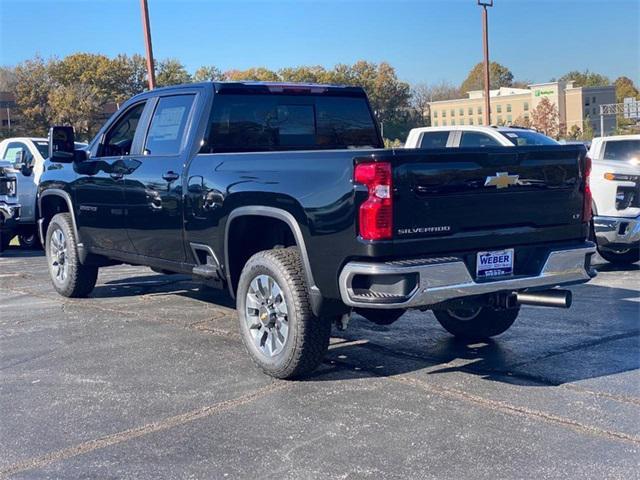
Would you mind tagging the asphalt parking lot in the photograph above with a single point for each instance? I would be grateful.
(148, 379)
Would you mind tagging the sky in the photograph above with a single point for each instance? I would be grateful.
(426, 41)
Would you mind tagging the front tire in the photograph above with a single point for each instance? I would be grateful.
(279, 330)
(476, 324)
(621, 258)
(69, 277)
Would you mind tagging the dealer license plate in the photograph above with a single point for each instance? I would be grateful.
(494, 264)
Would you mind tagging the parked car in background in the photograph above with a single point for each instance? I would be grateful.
(22, 159)
(454, 136)
(283, 195)
(615, 184)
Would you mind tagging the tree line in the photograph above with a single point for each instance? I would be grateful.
(75, 89)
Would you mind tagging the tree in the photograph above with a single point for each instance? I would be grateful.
(208, 73)
(575, 133)
(259, 74)
(499, 76)
(132, 78)
(170, 71)
(7, 79)
(544, 118)
(522, 122)
(32, 87)
(80, 105)
(585, 79)
(312, 74)
(587, 129)
(625, 88)
(423, 94)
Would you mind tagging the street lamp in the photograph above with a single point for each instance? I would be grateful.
(485, 46)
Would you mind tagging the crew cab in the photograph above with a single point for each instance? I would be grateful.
(616, 197)
(22, 161)
(284, 195)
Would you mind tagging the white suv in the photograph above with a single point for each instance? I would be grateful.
(615, 184)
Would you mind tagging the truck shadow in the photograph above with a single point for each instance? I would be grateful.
(545, 347)
(598, 337)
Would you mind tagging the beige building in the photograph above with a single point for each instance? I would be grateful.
(514, 105)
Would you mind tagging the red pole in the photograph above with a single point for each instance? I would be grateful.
(146, 28)
(485, 47)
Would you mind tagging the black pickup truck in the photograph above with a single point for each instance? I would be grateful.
(284, 195)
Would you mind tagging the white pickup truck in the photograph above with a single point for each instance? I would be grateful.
(474, 136)
(615, 185)
(22, 158)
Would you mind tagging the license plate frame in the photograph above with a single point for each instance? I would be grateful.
(495, 263)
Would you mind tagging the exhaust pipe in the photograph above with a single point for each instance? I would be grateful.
(545, 298)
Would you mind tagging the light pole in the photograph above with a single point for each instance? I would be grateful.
(146, 28)
(485, 47)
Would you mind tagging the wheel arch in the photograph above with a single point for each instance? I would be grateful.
(292, 224)
(51, 202)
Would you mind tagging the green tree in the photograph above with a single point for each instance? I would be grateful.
(587, 129)
(625, 88)
(313, 74)
(499, 76)
(585, 79)
(208, 73)
(131, 76)
(32, 87)
(80, 105)
(7, 79)
(171, 71)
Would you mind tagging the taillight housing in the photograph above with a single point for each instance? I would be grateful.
(376, 212)
(587, 201)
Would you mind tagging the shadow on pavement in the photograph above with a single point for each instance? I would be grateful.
(546, 347)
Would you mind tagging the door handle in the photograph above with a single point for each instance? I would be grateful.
(170, 176)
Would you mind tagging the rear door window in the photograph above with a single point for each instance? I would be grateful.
(268, 122)
(477, 139)
(168, 124)
(434, 139)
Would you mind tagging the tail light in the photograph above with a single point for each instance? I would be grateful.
(588, 198)
(376, 213)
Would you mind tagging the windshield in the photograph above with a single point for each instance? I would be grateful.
(527, 137)
(622, 150)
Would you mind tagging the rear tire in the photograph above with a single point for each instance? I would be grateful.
(477, 324)
(623, 258)
(279, 330)
(69, 277)
(381, 316)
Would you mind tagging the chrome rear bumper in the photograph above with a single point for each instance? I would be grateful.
(442, 279)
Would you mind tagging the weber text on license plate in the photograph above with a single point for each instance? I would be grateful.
(495, 263)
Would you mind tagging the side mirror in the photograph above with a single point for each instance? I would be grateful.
(62, 144)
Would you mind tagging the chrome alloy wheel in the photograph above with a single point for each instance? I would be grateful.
(266, 315)
(58, 255)
(464, 314)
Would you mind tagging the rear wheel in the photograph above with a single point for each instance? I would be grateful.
(626, 257)
(476, 323)
(69, 277)
(279, 330)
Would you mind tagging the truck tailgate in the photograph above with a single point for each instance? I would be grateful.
(471, 192)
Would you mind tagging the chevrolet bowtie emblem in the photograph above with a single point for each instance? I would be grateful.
(501, 180)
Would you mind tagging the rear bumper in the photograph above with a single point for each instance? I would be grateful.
(436, 280)
(616, 232)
